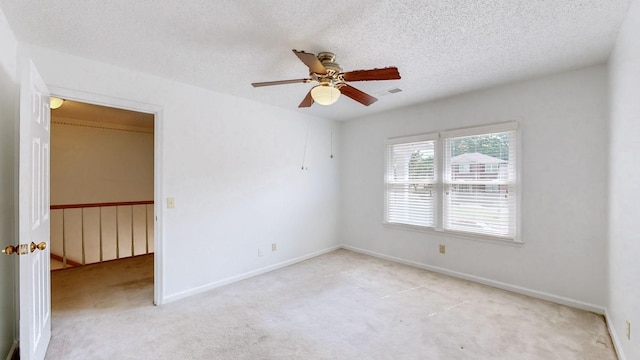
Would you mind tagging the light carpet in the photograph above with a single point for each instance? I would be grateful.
(342, 305)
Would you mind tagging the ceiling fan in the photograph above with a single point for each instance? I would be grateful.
(332, 81)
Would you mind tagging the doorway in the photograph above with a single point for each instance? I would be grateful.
(101, 180)
(115, 212)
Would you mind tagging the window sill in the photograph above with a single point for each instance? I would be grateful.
(454, 234)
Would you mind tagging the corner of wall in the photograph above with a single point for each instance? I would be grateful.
(13, 352)
(624, 195)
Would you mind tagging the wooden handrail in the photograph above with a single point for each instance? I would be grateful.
(78, 206)
(69, 261)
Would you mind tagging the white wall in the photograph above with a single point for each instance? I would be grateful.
(233, 167)
(624, 186)
(99, 164)
(8, 112)
(564, 153)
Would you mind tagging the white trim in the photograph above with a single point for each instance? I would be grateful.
(97, 99)
(12, 350)
(156, 110)
(454, 234)
(250, 274)
(411, 138)
(158, 210)
(497, 284)
(519, 207)
(438, 212)
(614, 335)
(482, 129)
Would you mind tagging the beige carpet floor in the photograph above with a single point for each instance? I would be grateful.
(341, 305)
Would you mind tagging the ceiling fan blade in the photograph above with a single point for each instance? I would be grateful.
(357, 95)
(307, 102)
(311, 61)
(390, 73)
(280, 82)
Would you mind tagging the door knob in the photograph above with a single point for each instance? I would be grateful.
(22, 249)
(41, 246)
(10, 250)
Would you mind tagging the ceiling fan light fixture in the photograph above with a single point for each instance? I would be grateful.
(55, 102)
(325, 94)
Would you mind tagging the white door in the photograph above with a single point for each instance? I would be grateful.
(35, 288)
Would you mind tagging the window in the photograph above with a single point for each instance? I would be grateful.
(410, 181)
(463, 168)
(483, 199)
(459, 181)
(491, 168)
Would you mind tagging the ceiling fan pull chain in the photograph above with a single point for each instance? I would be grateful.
(306, 141)
(331, 157)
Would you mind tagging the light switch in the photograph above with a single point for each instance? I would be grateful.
(171, 203)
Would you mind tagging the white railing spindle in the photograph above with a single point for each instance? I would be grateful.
(63, 232)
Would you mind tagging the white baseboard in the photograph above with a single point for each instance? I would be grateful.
(497, 284)
(266, 269)
(12, 350)
(614, 335)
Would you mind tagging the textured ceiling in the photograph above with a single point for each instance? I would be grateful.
(441, 47)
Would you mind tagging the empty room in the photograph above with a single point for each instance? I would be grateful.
(338, 180)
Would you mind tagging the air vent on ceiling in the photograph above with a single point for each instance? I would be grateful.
(388, 91)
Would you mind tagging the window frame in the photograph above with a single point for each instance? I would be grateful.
(439, 158)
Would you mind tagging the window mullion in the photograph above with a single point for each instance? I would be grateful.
(439, 156)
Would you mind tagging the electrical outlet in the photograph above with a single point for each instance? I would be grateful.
(442, 249)
(628, 330)
(259, 252)
(274, 246)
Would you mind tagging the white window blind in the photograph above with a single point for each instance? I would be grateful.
(410, 182)
(479, 176)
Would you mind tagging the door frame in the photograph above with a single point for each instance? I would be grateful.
(158, 252)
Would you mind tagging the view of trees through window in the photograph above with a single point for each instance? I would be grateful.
(495, 145)
(422, 164)
(422, 172)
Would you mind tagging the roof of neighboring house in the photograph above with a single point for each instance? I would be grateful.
(476, 158)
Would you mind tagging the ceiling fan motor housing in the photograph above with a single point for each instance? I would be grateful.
(334, 70)
(328, 61)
